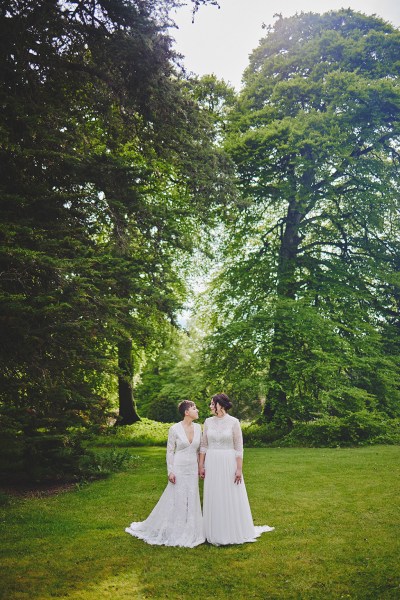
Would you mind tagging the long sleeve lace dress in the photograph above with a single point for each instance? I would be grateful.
(226, 510)
(176, 520)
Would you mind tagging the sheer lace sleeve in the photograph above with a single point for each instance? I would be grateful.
(237, 439)
(204, 440)
(171, 449)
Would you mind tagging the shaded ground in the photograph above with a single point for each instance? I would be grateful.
(40, 490)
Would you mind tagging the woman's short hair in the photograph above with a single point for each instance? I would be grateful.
(223, 401)
(184, 406)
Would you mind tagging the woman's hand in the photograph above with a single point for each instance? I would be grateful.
(171, 477)
(238, 476)
(202, 472)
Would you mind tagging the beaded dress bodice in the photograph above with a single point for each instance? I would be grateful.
(222, 433)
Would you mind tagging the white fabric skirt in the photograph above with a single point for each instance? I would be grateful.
(176, 520)
(226, 510)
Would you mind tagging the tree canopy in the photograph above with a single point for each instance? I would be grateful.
(108, 170)
(116, 167)
(309, 287)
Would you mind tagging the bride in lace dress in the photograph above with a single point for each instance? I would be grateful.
(226, 510)
(176, 520)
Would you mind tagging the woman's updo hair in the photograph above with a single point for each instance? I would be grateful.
(222, 400)
(184, 406)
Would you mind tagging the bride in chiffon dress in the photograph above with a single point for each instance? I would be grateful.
(226, 510)
(176, 520)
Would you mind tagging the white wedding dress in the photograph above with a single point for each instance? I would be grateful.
(176, 520)
(226, 510)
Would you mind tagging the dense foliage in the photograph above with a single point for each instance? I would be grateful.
(173, 374)
(306, 303)
(108, 168)
(116, 167)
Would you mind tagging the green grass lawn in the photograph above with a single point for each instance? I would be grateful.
(336, 513)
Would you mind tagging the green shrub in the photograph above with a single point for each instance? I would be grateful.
(363, 426)
(41, 456)
(143, 433)
(359, 428)
(94, 465)
(164, 410)
(355, 429)
(258, 435)
(50, 457)
(319, 433)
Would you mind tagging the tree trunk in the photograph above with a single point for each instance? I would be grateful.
(127, 406)
(276, 407)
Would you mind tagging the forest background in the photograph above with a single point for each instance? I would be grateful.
(124, 179)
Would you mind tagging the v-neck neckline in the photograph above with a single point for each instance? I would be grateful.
(185, 434)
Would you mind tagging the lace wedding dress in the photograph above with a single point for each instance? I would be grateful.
(226, 510)
(176, 520)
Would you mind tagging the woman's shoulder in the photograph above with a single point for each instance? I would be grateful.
(174, 426)
(233, 419)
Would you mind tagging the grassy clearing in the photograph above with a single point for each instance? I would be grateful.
(337, 534)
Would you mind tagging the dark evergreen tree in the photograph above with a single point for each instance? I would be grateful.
(106, 166)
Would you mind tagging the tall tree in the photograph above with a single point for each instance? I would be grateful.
(310, 281)
(106, 170)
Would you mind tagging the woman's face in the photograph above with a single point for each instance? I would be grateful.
(213, 407)
(193, 412)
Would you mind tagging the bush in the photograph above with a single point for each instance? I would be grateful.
(320, 433)
(41, 456)
(355, 429)
(143, 433)
(258, 435)
(164, 410)
(94, 465)
(50, 457)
